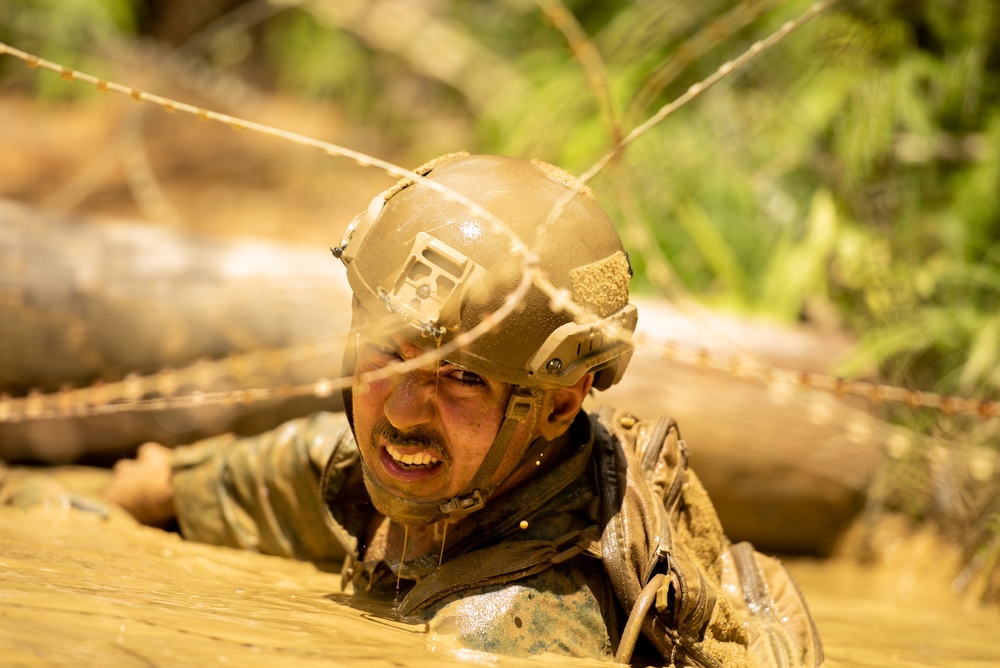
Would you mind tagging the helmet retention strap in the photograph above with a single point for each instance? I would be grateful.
(518, 409)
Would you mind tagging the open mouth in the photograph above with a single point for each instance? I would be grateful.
(421, 460)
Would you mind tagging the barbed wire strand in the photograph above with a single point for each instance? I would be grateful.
(335, 150)
(559, 298)
(658, 268)
(695, 46)
(131, 392)
(531, 272)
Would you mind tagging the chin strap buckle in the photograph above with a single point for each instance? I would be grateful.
(461, 506)
(519, 405)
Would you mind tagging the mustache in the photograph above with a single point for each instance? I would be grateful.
(411, 438)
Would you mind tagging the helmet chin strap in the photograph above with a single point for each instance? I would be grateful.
(411, 513)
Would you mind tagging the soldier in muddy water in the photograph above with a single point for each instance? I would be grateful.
(464, 479)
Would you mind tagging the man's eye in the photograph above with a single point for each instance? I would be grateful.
(382, 352)
(466, 377)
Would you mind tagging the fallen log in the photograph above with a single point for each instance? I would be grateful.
(84, 303)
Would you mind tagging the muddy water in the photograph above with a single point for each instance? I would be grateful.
(79, 589)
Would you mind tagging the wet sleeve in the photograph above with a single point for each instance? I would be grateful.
(556, 612)
(263, 493)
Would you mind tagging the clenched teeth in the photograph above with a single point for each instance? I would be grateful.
(411, 460)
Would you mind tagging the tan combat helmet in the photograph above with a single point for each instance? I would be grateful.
(436, 268)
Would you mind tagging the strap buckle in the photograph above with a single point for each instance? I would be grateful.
(459, 507)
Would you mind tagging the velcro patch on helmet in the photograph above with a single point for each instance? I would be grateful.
(564, 178)
(423, 170)
(602, 286)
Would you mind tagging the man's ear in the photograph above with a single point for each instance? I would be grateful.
(559, 408)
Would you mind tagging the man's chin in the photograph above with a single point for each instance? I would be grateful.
(402, 508)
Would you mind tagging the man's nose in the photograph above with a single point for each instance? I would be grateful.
(411, 402)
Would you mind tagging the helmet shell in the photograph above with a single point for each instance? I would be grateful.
(417, 255)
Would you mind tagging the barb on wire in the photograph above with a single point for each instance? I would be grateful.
(745, 367)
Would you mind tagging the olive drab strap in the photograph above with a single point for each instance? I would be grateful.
(499, 564)
(674, 583)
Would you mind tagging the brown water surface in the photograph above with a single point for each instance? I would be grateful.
(78, 589)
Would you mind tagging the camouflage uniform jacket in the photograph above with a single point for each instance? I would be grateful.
(297, 491)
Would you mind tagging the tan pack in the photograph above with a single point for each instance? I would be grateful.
(696, 598)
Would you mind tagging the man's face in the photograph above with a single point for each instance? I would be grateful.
(426, 432)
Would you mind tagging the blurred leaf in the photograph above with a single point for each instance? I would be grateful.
(797, 271)
(984, 356)
(713, 248)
